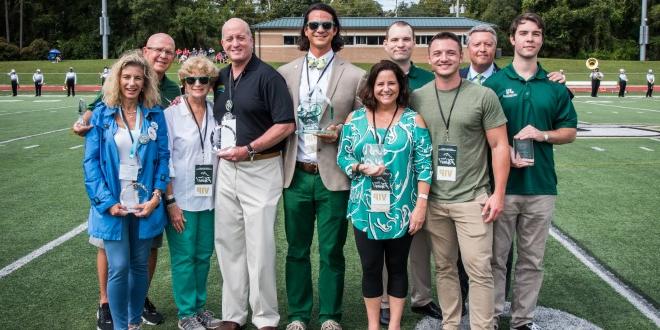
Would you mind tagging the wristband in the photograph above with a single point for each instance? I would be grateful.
(168, 197)
(170, 201)
(423, 196)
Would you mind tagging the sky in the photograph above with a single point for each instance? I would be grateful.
(389, 4)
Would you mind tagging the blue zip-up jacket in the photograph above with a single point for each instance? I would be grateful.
(101, 170)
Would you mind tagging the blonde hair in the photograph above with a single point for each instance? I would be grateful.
(149, 96)
(199, 64)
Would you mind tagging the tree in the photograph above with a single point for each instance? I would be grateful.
(357, 8)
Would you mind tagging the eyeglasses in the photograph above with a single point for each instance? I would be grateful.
(315, 25)
(202, 80)
(163, 51)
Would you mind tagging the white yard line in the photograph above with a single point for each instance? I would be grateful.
(619, 106)
(32, 146)
(645, 148)
(76, 147)
(33, 135)
(597, 148)
(40, 251)
(635, 299)
(20, 112)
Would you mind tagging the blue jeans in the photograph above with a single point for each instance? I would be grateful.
(127, 274)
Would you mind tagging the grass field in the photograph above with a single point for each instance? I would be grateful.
(88, 71)
(608, 203)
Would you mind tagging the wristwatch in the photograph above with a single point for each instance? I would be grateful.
(545, 137)
(251, 151)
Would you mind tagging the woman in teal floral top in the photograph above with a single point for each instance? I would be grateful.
(387, 204)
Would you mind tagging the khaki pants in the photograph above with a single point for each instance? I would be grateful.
(529, 218)
(246, 200)
(460, 225)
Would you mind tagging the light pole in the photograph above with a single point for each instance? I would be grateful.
(457, 8)
(104, 28)
(643, 34)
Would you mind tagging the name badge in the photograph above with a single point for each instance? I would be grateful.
(380, 193)
(310, 144)
(128, 172)
(203, 180)
(446, 169)
(228, 133)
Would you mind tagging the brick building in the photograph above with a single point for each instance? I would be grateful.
(276, 40)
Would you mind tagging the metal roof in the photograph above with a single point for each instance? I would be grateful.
(377, 22)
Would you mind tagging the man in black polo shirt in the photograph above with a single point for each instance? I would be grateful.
(252, 100)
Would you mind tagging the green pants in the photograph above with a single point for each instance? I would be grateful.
(307, 202)
(190, 255)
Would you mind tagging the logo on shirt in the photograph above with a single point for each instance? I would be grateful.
(508, 93)
(220, 89)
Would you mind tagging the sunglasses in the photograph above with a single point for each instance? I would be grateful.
(202, 80)
(315, 25)
(166, 52)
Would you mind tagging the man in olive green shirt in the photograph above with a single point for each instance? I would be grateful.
(399, 45)
(465, 120)
(540, 111)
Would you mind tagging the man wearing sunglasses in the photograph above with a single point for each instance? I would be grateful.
(324, 90)
(159, 53)
(251, 97)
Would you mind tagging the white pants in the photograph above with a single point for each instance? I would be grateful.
(247, 194)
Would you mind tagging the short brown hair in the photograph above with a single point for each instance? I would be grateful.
(446, 35)
(367, 91)
(399, 23)
(522, 18)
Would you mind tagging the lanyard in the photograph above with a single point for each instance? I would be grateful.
(133, 141)
(230, 103)
(446, 121)
(311, 90)
(202, 137)
(373, 116)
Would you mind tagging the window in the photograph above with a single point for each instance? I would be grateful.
(349, 40)
(291, 40)
(423, 39)
(369, 40)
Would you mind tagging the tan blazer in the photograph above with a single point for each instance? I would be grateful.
(343, 87)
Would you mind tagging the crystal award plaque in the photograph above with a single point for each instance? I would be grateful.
(310, 113)
(524, 149)
(373, 154)
(223, 136)
(82, 107)
(133, 195)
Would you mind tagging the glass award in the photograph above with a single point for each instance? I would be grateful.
(223, 137)
(524, 149)
(134, 194)
(310, 113)
(373, 154)
(82, 107)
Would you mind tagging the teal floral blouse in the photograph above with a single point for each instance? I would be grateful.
(407, 156)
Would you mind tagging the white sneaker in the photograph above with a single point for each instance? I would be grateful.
(331, 325)
(296, 325)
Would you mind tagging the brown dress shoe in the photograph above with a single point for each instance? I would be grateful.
(229, 325)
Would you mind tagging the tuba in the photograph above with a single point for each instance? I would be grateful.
(592, 63)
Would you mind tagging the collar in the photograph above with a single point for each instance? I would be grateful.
(111, 111)
(252, 65)
(486, 74)
(541, 74)
(413, 71)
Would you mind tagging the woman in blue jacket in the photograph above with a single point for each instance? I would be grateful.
(127, 147)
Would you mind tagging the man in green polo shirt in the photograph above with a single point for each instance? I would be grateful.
(540, 111)
(465, 121)
(399, 45)
(159, 52)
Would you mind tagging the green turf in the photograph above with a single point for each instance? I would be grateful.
(610, 204)
(612, 110)
(89, 70)
(607, 203)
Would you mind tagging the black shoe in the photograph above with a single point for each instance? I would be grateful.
(150, 315)
(104, 318)
(430, 309)
(385, 316)
(528, 326)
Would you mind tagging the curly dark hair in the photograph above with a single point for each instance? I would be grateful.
(367, 92)
(337, 41)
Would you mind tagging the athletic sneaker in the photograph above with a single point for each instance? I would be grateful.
(528, 326)
(190, 323)
(150, 315)
(135, 326)
(103, 317)
(207, 320)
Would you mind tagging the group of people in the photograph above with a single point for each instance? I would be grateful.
(596, 76)
(38, 79)
(419, 162)
(183, 54)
